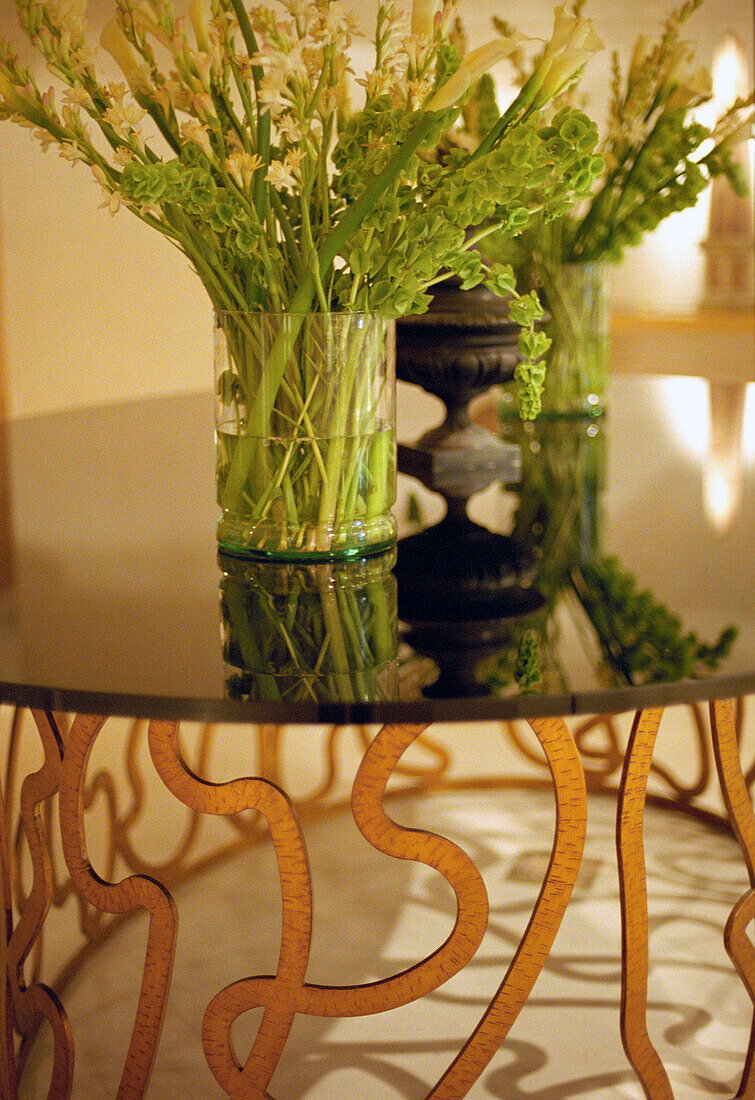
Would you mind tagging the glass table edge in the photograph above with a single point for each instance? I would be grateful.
(416, 711)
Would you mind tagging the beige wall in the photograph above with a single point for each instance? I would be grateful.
(95, 307)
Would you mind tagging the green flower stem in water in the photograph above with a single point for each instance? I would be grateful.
(350, 354)
(328, 445)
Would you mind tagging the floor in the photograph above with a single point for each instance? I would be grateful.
(374, 916)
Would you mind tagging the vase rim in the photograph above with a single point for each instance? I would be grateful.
(308, 313)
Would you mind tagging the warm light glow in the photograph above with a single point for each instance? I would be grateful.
(729, 74)
(722, 473)
(730, 269)
(721, 493)
(712, 428)
(685, 406)
(731, 80)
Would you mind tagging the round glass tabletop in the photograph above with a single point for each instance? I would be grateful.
(119, 602)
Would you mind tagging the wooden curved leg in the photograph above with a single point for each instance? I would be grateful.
(634, 914)
(136, 891)
(286, 993)
(566, 857)
(37, 1000)
(8, 1081)
(278, 994)
(739, 808)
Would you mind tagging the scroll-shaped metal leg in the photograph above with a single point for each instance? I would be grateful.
(634, 910)
(739, 807)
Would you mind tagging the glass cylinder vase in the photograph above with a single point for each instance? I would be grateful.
(305, 434)
(576, 298)
(559, 519)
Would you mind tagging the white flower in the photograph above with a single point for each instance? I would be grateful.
(284, 173)
(338, 22)
(573, 42)
(123, 156)
(242, 166)
(173, 95)
(273, 92)
(301, 10)
(112, 198)
(82, 59)
(471, 69)
(125, 114)
(77, 97)
(44, 137)
(70, 151)
(289, 128)
(193, 131)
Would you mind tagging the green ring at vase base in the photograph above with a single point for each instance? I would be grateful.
(363, 540)
(349, 553)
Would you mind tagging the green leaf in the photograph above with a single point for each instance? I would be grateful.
(359, 261)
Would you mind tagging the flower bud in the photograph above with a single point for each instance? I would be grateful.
(200, 15)
(423, 18)
(742, 132)
(114, 41)
(8, 94)
(99, 175)
(472, 67)
(694, 89)
(638, 56)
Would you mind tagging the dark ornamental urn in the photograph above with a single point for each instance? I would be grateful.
(460, 585)
(463, 345)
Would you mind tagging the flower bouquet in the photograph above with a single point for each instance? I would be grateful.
(657, 160)
(230, 131)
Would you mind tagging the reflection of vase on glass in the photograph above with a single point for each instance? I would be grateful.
(558, 519)
(296, 631)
